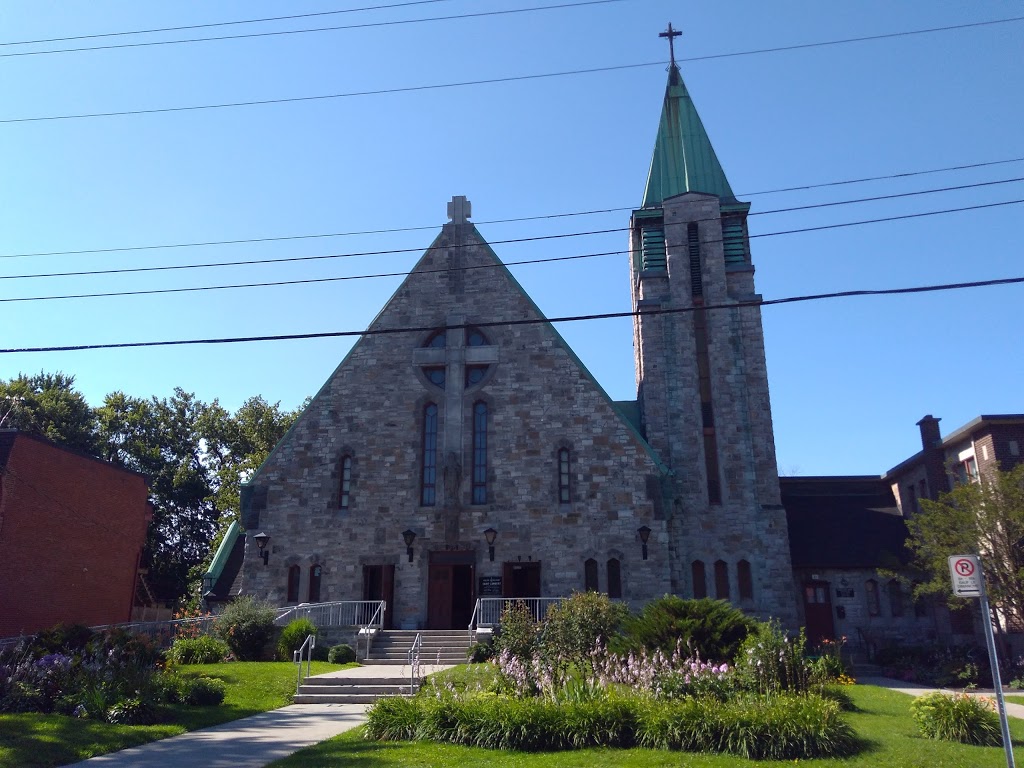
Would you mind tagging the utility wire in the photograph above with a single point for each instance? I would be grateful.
(534, 321)
(340, 27)
(491, 81)
(286, 259)
(155, 291)
(220, 23)
(483, 223)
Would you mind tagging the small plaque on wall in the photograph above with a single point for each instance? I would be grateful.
(490, 586)
(844, 592)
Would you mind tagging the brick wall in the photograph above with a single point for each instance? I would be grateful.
(71, 532)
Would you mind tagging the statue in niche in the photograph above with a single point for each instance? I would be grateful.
(452, 478)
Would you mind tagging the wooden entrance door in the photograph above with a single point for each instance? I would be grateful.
(521, 580)
(451, 593)
(818, 612)
(379, 584)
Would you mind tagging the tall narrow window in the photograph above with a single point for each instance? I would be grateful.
(590, 575)
(293, 583)
(700, 584)
(480, 453)
(314, 583)
(744, 580)
(614, 578)
(345, 484)
(895, 598)
(564, 494)
(428, 495)
(721, 580)
(871, 595)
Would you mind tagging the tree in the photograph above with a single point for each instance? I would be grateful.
(986, 518)
(48, 404)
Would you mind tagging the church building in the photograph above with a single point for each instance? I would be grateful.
(461, 449)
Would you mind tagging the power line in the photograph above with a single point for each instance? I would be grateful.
(340, 27)
(492, 81)
(243, 241)
(156, 291)
(292, 17)
(536, 321)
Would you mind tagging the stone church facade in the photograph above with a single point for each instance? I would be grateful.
(461, 449)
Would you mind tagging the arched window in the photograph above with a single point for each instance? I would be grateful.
(428, 492)
(895, 598)
(721, 580)
(345, 482)
(871, 595)
(614, 578)
(745, 580)
(480, 453)
(314, 583)
(590, 575)
(700, 584)
(293, 583)
(564, 492)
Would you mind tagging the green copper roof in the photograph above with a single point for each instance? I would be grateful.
(684, 160)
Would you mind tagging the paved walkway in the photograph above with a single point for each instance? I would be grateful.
(913, 689)
(255, 741)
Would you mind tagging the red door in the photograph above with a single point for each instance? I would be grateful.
(439, 597)
(818, 612)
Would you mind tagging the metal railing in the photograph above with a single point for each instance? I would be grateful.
(488, 610)
(342, 613)
(414, 662)
(306, 648)
(376, 622)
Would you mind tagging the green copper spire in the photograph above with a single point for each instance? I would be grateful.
(684, 160)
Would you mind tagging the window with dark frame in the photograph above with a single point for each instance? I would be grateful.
(590, 575)
(744, 580)
(895, 598)
(564, 492)
(428, 493)
(700, 584)
(614, 578)
(721, 580)
(480, 453)
(293, 583)
(871, 595)
(345, 483)
(314, 583)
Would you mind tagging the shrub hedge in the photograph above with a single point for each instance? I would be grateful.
(246, 625)
(712, 629)
(293, 636)
(204, 649)
(341, 654)
(959, 717)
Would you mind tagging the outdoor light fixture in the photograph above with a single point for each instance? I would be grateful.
(490, 534)
(645, 534)
(262, 540)
(410, 537)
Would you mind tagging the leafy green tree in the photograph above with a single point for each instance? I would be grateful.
(985, 518)
(48, 404)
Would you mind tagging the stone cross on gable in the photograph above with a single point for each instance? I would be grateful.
(455, 356)
(671, 34)
(460, 209)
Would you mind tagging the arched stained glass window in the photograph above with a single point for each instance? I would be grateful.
(721, 580)
(700, 584)
(745, 580)
(614, 578)
(293, 583)
(590, 575)
(314, 583)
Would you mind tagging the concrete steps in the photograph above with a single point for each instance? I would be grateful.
(438, 647)
(341, 690)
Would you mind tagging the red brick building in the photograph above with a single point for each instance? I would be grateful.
(72, 530)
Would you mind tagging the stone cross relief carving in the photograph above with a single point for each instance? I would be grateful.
(460, 209)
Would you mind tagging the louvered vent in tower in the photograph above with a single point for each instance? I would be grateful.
(693, 244)
(734, 243)
(652, 247)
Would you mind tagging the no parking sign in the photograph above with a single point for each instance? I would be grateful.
(965, 571)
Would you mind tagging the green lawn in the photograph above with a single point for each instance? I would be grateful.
(883, 722)
(35, 740)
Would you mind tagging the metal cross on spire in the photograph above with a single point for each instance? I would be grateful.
(671, 34)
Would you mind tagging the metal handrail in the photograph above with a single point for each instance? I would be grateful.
(488, 610)
(376, 620)
(307, 648)
(414, 662)
(340, 613)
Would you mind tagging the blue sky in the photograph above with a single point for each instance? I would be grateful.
(849, 378)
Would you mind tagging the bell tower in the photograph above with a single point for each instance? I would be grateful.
(702, 382)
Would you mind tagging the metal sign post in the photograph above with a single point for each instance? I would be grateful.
(969, 581)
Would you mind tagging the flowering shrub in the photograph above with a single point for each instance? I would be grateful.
(246, 625)
(959, 717)
(771, 662)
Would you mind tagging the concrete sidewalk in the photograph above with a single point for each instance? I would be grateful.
(255, 741)
(913, 689)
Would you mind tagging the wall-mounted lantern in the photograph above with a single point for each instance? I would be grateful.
(410, 537)
(262, 540)
(490, 534)
(645, 534)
